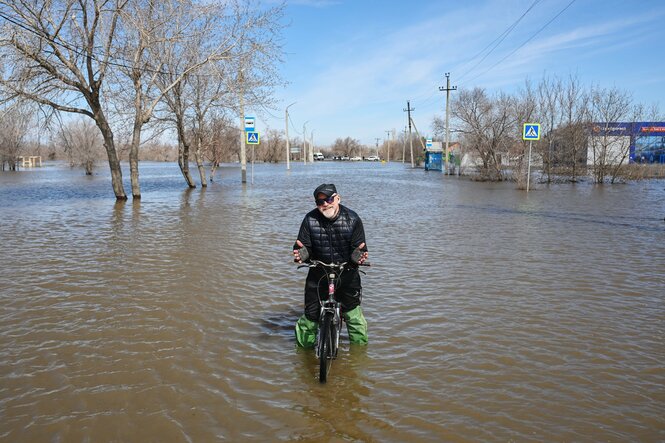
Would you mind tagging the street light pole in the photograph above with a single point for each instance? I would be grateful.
(288, 148)
(304, 143)
(311, 147)
(243, 153)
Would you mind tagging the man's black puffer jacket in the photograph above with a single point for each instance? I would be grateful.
(332, 241)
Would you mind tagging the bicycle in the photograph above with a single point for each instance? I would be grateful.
(330, 319)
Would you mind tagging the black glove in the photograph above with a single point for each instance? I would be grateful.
(356, 255)
(304, 254)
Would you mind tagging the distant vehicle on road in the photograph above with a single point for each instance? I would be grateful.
(373, 158)
(356, 159)
(318, 156)
(344, 158)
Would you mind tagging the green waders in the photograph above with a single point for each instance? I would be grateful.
(306, 332)
(356, 325)
(355, 322)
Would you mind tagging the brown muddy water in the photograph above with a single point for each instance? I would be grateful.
(493, 315)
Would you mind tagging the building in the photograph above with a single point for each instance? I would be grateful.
(644, 142)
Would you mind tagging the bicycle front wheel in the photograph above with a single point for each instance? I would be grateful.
(326, 350)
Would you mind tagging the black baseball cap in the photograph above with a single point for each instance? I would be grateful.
(326, 189)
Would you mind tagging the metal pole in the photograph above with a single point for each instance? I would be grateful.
(288, 148)
(447, 89)
(447, 118)
(311, 147)
(304, 143)
(411, 144)
(408, 110)
(404, 146)
(243, 153)
(528, 174)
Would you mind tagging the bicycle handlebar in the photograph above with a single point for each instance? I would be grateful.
(316, 263)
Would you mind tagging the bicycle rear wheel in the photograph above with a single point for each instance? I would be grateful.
(326, 338)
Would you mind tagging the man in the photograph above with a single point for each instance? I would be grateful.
(331, 233)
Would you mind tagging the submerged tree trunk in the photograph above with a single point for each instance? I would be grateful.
(112, 154)
(213, 169)
(134, 158)
(199, 162)
(183, 152)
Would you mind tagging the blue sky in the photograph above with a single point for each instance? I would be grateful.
(351, 66)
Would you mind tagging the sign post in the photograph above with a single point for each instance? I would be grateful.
(252, 139)
(531, 132)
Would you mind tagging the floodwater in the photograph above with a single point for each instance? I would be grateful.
(494, 315)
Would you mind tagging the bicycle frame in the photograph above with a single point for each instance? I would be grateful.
(330, 318)
(333, 306)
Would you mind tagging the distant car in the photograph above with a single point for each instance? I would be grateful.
(344, 157)
(373, 158)
(355, 159)
(318, 156)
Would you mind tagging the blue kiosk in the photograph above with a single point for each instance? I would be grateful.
(433, 156)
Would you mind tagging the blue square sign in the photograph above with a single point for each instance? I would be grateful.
(252, 138)
(531, 131)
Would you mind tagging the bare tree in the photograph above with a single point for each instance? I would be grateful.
(574, 104)
(549, 98)
(609, 145)
(14, 124)
(347, 147)
(273, 146)
(151, 28)
(220, 142)
(246, 47)
(83, 144)
(525, 110)
(60, 52)
(208, 92)
(486, 126)
(159, 151)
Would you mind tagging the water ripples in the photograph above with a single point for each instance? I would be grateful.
(493, 315)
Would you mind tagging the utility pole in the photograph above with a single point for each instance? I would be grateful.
(311, 148)
(447, 89)
(404, 145)
(389, 144)
(304, 143)
(409, 109)
(243, 153)
(288, 148)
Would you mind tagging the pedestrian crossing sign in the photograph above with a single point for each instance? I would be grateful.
(531, 131)
(252, 138)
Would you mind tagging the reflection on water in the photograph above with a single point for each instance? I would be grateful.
(493, 314)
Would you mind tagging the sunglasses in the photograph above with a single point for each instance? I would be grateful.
(329, 200)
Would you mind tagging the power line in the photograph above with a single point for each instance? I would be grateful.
(83, 53)
(69, 46)
(494, 44)
(497, 41)
(432, 97)
(526, 41)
